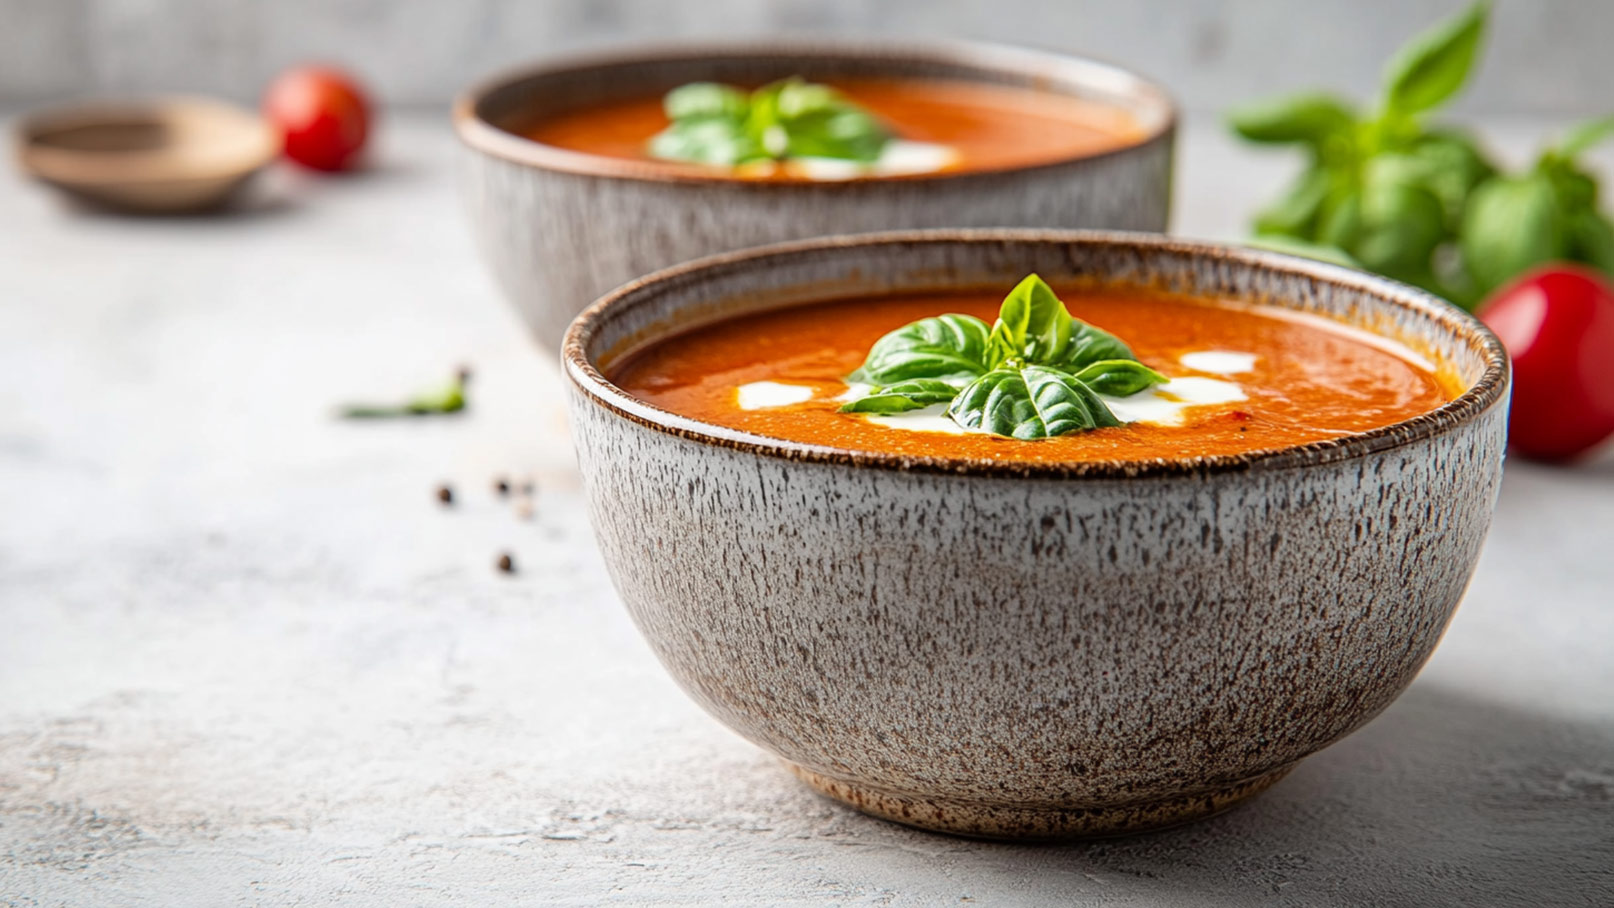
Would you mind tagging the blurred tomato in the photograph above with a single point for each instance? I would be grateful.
(1558, 325)
(321, 113)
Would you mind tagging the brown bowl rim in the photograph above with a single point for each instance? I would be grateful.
(145, 168)
(1485, 392)
(478, 133)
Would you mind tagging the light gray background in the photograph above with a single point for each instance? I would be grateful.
(1546, 56)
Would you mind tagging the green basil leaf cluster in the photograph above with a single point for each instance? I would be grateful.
(1388, 192)
(1036, 372)
(1547, 214)
(723, 125)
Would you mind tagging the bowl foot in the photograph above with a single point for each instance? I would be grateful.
(997, 821)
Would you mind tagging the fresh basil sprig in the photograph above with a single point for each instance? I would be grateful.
(913, 394)
(1388, 192)
(1549, 213)
(1036, 372)
(723, 125)
(450, 399)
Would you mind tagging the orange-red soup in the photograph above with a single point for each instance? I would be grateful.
(991, 127)
(1308, 381)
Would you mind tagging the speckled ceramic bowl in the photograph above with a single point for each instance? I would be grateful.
(560, 228)
(1037, 650)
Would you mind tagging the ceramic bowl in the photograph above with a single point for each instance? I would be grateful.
(163, 156)
(1037, 650)
(559, 228)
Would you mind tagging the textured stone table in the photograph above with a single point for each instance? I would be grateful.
(246, 658)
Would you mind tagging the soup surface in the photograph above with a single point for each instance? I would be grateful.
(989, 127)
(1243, 378)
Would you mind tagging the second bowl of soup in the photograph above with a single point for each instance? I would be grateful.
(1022, 534)
(583, 174)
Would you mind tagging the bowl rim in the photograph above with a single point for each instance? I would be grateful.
(1487, 391)
(480, 134)
(145, 167)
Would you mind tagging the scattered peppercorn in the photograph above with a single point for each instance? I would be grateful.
(445, 494)
(463, 374)
(529, 488)
(506, 564)
(501, 486)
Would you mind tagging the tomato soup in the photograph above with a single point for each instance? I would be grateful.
(987, 127)
(1241, 378)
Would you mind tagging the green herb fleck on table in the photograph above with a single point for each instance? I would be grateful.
(1037, 372)
(449, 399)
(1386, 191)
(725, 126)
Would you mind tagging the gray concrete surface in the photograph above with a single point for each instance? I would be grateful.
(246, 658)
(1545, 55)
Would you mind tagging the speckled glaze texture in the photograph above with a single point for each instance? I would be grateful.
(560, 228)
(1037, 651)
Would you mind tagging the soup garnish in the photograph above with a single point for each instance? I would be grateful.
(1036, 372)
(857, 128)
(792, 118)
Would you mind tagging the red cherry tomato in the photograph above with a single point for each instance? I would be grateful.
(1558, 325)
(322, 115)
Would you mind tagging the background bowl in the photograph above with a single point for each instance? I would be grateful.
(1037, 650)
(560, 228)
(163, 156)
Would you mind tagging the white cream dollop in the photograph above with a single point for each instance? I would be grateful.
(929, 419)
(1218, 362)
(898, 158)
(1165, 405)
(762, 395)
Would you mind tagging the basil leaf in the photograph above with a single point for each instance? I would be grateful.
(1310, 117)
(1087, 345)
(1511, 224)
(1030, 403)
(947, 346)
(705, 99)
(1577, 191)
(1119, 377)
(846, 133)
(1447, 163)
(1032, 321)
(904, 396)
(1291, 246)
(1401, 226)
(450, 399)
(796, 97)
(1591, 240)
(1296, 213)
(1341, 221)
(1035, 327)
(706, 141)
(1583, 136)
(1431, 68)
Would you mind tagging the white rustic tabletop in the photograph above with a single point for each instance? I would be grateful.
(246, 658)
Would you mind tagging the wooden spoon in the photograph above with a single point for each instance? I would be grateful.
(162, 156)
